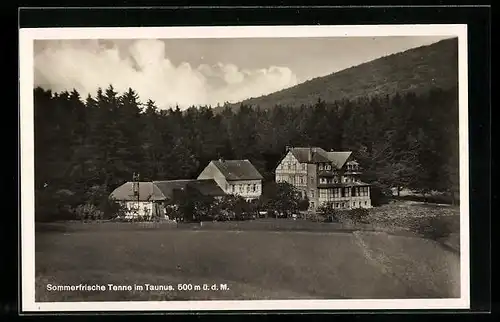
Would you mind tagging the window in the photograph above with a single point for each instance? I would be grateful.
(312, 179)
(366, 203)
(328, 167)
(336, 205)
(254, 187)
(301, 180)
(322, 194)
(303, 166)
(321, 167)
(322, 180)
(312, 193)
(241, 188)
(312, 204)
(289, 166)
(343, 205)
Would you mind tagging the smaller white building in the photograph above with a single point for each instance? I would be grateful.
(237, 177)
(141, 199)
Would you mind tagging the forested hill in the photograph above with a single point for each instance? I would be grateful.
(417, 70)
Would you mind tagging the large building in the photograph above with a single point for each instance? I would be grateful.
(323, 176)
(238, 177)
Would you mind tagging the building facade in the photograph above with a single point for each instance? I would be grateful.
(238, 177)
(323, 177)
(147, 199)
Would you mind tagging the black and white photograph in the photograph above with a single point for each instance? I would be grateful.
(244, 168)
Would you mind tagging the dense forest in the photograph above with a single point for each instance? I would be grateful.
(84, 145)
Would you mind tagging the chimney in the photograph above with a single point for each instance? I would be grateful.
(310, 154)
(287, 148)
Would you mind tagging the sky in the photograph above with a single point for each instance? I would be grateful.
(187, 72)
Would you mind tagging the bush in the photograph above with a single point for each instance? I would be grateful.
(88, 212)
(53, 205)
(315, 217)
(329, 213)
(332, 217)
(433, 228)
(111, 209)
(359, 215)
(304, 204)
(379, 194)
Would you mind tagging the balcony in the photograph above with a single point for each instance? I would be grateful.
(343, 185)
(353, 172)
(328, 173)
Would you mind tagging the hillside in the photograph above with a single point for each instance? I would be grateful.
(418, 69)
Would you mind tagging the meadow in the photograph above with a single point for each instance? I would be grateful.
(260, 259)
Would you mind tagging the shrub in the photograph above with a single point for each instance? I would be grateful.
(379, 194)
(332, 217)
(111, 209)
(359, 215)
(304, 204)
(87, 212)
(329, 213)
(315, 217)
(433, 228)
(54, 205)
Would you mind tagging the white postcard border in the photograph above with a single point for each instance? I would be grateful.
(26, 79)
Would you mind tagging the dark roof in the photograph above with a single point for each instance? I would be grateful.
(318, 155)
(237, 170)
(339, 158)
(302, 154)
(147, 192)
(207, 187)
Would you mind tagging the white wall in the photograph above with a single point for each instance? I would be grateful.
(241, 188)
(212, 172)
(145, 208)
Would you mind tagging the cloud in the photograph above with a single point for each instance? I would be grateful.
(144, 66)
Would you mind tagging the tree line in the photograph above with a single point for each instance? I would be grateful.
(86, 146)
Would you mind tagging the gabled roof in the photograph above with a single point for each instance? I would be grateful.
(302, 154)
(237, 170)
(207, 187)
(339, 158)
(318, 155)
(147, 192)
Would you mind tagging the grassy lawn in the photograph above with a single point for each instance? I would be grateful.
(254, 263)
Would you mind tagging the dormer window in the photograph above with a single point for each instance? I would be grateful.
(329, 167)
(321, 166)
